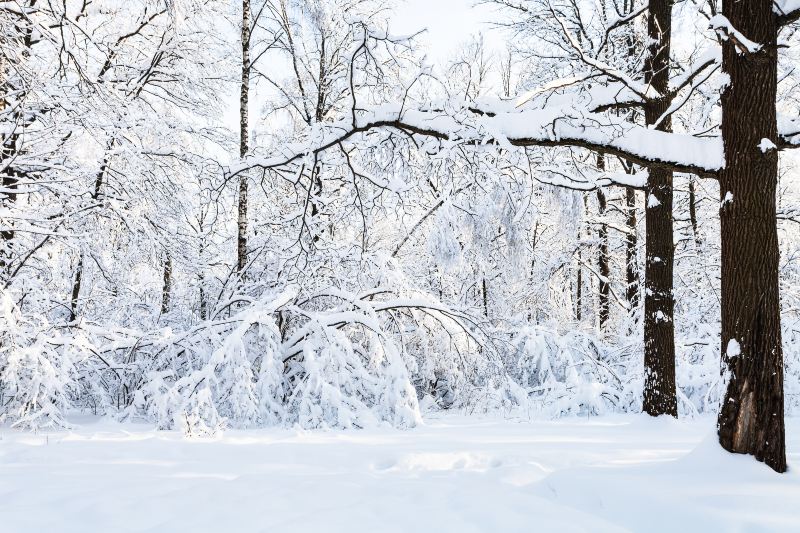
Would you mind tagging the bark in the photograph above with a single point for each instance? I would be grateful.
(241, 240)
(166, 290)
(659, 327)
(579, 290)
(485, 292)
(751, 418)
(693, 212)
(76, 290)
(201, 280)
(631, 267)
(604, 288)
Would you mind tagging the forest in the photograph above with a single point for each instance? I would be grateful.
(231, 217)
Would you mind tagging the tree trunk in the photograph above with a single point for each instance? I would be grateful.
(659, 327)
(241, 241)
(631, 268)
(751, 418)
(166, 289)
(693, 212)
(579, 290)
(76, 290)
(485, 293)
(602, 259)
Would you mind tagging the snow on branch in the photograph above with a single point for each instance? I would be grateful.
(788, 11)
(725, 31)
(491, 122)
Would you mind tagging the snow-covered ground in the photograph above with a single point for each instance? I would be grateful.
(456, 474)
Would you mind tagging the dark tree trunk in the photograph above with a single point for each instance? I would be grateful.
(602, 257)
(579, 290)
(693, 212)
(631, 266)
(751, 418)
(201, 280)
(631, 239)
(166, 290)
(485, 293)
(602, 263)
(241, 240)
(659, 327)
(76, 290)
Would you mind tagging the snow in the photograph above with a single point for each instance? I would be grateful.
(766, 145)
(734, 349)
(725, 31)
(785, 7)
(614, 474)
(728, 199)
(557, 124)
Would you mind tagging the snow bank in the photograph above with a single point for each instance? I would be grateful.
(607, 474)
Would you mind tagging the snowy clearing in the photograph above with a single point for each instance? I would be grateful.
(615, 473)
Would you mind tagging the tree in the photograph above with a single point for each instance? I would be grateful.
(751, 418)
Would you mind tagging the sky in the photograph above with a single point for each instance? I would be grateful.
(449, 23)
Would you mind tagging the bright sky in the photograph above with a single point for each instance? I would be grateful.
(450, 23)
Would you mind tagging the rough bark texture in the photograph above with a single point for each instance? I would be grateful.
(751, 417)
(659, 327)
(241, 240)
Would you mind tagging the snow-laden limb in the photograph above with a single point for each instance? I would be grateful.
(788, 11)
(725, 31)
(491, 121)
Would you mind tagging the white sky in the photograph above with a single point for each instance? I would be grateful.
(450, 23)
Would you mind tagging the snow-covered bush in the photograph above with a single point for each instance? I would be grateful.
(37, 373)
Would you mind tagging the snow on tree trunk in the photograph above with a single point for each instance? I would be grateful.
(751, 417)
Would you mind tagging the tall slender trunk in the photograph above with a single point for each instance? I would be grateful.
(76, 282)
(631, 238)
(631, 266)
(602, 256)
(485, 293)
(579, 289)
(201, 280)
(76, 290)
(659, 327)
(751, 417)
(241, 240)
(693, 212)
(166, 289)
